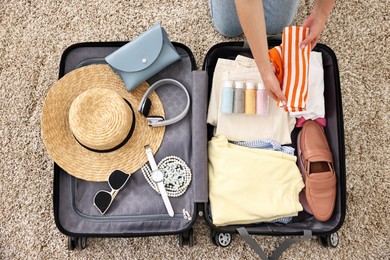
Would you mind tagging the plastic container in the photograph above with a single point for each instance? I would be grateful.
(250, 98)
(261, 100)
(239, 98)
(227, 97)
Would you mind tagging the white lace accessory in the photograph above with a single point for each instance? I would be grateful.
(177, 175)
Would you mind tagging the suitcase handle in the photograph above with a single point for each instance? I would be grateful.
(279, 250)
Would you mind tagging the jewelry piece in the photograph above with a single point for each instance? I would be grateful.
(177, 175)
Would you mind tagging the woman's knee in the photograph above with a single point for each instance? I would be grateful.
(279, 14)
(224, 17)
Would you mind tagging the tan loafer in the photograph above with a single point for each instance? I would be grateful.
(316, 165)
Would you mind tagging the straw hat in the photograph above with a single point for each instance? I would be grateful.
(90, 126)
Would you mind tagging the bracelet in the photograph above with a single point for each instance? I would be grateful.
(177, 175)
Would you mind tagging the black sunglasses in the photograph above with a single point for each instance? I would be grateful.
(103, 198)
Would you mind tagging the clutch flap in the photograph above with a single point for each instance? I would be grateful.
(140, 53)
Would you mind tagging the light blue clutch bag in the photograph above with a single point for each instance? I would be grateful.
(143, 57)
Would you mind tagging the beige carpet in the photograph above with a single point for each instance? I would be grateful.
(33, 35)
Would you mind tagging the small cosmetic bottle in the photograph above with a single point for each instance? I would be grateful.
(261, 100)
(239, 98)
(250, 98)
(227, 97)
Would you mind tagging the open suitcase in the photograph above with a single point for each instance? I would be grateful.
(304, 224)
(76, 216)
(145, 215)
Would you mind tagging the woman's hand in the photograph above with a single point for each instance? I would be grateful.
(316, 21)
(251, 15)
(272, 85)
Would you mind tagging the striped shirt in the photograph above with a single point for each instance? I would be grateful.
(266, 144)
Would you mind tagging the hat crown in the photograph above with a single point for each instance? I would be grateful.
(100, 119)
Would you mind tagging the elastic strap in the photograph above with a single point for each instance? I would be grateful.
(91, 61)
(279, 250)
(251, 242)
(288, 242)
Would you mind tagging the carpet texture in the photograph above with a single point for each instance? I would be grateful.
(33, 35)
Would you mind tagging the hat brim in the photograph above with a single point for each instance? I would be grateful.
(65, 150)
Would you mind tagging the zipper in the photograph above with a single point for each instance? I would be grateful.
(135, 218)
(186, 215)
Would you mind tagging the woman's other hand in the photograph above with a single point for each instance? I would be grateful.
(316, 21)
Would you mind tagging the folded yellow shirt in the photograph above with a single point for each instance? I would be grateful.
(249, 185)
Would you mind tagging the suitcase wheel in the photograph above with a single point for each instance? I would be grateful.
(331, 240)
(80, 242)
(187, 237)
(222, 239)
(71, 243)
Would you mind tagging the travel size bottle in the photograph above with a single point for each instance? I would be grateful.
(239, 98)
(250, 98)
(261, 100)
(227, 97)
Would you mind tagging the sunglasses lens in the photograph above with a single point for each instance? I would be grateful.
(103, 201)
(117, 179)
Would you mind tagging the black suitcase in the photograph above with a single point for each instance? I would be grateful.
(75, 214)
(303, 224)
